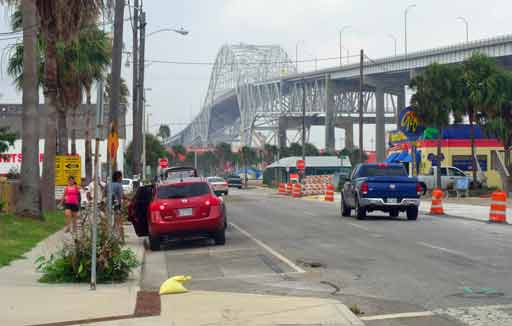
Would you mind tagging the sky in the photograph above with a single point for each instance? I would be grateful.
(177, 91)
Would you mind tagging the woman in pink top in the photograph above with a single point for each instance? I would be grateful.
(71, 202)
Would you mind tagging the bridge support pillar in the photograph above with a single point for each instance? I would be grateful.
(380, 130)
(330, 116)
(281, 133)
(349, 135)
(400, 105)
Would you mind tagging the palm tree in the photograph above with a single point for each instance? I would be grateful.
(29, 203)
(60, 21)
(436, 99)
(224, 154)
(480, 75)
(94, 52)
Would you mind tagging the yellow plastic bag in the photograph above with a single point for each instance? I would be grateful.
(174, 285)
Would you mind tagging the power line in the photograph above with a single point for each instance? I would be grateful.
(206, 63)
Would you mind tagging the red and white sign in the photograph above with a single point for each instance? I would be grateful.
(294, 177)
(301, 165)
(164, 163)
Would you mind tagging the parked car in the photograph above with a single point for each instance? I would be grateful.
(177, 209)
(178, 172)
(234, 181)
(219, 185)
(449, 177)
(381, 187)
(127, 186)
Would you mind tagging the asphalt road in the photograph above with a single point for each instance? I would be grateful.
(434, 271)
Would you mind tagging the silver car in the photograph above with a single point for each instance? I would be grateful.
(219, 185)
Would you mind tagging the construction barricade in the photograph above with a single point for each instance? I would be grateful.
(282, 189)
(296, 193)
(498, 211)
(437, 202)
(329, 192)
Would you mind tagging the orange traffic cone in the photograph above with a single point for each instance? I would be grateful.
(498, 212)
(437, 202)
(289, 188)
(329, 192)
(296, 190)
(282, 189)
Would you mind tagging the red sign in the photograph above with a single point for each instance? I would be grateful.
(163, 162)
(294, 177)
(301, 165)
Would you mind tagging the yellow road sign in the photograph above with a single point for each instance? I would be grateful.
(67, 166)
(113, 145)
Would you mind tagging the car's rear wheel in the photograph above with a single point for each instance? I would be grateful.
(360, 211)
(412, 213)
(345, 210)
(154, 243)
(226, 193)
(394, 213)
(220, 237)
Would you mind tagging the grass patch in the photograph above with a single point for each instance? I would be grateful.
(19, 235)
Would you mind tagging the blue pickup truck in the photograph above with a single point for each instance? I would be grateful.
(381, 187)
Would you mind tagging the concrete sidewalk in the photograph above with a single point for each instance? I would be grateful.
(230, 309)
(24, 301)
(472, 212)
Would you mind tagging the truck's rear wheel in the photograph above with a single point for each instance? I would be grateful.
(360, 211)
(412, 213)
(394, 213)
(345, 210)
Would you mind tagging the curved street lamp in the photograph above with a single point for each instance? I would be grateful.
(180, 31)
(465, 21)
(405, 23)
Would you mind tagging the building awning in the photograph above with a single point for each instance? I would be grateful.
(392, 158)
(404, 157)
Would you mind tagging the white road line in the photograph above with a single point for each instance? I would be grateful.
(246, 276)
(269, 249)
(450, 251)
(310, 214)
(359, 226)
(398, 316)
(207, 251)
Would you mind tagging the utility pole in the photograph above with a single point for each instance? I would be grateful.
(117, 56)
(137, 130)
(141, 98)
(361, 106)
(304, 119)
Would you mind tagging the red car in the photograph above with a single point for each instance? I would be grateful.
(178, 208)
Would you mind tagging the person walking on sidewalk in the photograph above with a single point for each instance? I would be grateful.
(71, 202)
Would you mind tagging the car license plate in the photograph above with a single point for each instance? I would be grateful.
(392, 200)
(184, 212)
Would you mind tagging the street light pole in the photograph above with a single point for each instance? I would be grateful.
(138, 125)
(135, 91)
(304, 120)
(405, 24)
(361, 107)
(341, 47)
(394, 42)
(465, 21)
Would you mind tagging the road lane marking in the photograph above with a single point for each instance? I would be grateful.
(399, 315)
(207, 251)
(243, 276)
(450, 251)
(359, 226)
(269, 249)
(310, 214)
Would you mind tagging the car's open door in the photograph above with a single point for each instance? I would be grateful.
(138, 209)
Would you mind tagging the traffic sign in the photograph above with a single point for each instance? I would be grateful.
(301, 165)
(67, 166)
(113, 144)
(163, 163)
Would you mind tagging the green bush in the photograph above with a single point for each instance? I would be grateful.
(73, 263)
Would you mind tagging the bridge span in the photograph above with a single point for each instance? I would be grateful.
(255, 93)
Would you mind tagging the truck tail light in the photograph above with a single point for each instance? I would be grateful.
(364, 188)
(419, 189)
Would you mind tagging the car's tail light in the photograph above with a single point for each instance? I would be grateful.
(419, 189)
(382, 165)
(364, 188)
(204, 211)
(154, 211)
